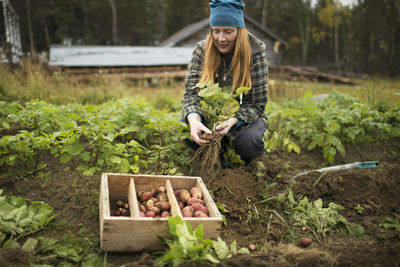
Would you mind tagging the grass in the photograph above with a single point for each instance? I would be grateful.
(35, 81)
(371, 91)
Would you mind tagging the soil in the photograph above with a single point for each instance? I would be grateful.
(240, 189)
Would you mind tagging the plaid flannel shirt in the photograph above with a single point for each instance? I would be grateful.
(253, 103)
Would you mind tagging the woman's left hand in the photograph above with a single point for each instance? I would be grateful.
(224, 127)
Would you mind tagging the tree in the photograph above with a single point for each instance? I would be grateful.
(28, 14)
(114, 21)
(304, 27)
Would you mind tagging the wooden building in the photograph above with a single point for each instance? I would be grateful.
(189, 35)
(10, 38)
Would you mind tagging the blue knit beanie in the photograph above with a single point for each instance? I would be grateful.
(227, 13)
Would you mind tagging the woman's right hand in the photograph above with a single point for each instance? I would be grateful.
(196, 127)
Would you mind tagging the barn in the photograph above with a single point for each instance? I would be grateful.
(189, 35)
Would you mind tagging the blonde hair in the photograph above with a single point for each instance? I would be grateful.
(241, 61)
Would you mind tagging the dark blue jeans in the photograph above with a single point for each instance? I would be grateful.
(248, 144)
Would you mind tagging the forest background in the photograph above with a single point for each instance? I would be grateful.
(359, 38)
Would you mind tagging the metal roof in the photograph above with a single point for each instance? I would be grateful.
(118, 56)
(185, 33)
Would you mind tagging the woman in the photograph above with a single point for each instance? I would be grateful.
(233, 57)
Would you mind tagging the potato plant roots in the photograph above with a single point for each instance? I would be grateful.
(210, 157)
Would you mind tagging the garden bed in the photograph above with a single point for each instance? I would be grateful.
(243, 191)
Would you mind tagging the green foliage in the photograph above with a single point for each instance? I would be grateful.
(19, 218)
(168, 148)
(65, 252)
(219, 104)
(117, 136)
(389, 223)
(328, 124)
(359, 209)
(189, 245)
(21, 152)
(7, 109)
(320, 220)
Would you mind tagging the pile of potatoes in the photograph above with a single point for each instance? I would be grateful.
(154, 203)
(121, 208)
(191, 202)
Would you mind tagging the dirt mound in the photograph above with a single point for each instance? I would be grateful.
(15, 257)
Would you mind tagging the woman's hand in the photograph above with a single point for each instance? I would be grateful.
(196, 127)
(224, 127)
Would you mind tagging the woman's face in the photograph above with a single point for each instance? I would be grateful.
(224, 38)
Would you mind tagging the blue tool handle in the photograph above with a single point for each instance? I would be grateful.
(367, 164)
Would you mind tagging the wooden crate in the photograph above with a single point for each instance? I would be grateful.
(135, 233)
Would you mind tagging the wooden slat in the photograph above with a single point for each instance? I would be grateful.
(104, 205)
(133, 203)
(175, 210)
(134, 234)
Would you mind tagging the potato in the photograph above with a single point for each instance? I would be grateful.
(305, 242)
(165, 214)
(181, 204)
(150, 214)
(140, 193)
(187, 211)
(122, 211)
(149, 204)
(252, 247)
(117, 213)
(142, 214)
(206, 136)
(184, 195)
(120, 203)
(161, 189)
(142, 208)
(192, 200)
(164, 206)
(155, 200)
(145, 196)
(200, 214)
(177, 192)
(196, 193)
(156, 210)
(198, 206)
(153, 192)
(162, 197)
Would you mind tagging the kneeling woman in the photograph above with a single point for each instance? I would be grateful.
(230, 56)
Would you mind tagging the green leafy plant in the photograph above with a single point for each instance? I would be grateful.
(359, 209)
(22, 152)
(189, 245)
(320, 220)
(19, 218)
(63, 252)
(328, 124)
(168, 150)
(389, 223)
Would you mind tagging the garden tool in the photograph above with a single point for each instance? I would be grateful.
(344, 167)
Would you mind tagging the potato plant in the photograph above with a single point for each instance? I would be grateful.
(191, 202)
(154, 203)
(217, 105)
